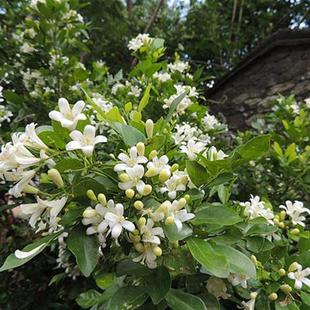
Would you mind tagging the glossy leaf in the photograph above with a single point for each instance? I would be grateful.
(177, 300)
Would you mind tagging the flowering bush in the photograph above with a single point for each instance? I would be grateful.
(132, 187)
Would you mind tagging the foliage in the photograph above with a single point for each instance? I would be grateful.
(146, 210)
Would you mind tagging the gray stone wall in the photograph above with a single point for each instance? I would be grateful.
(283, 70)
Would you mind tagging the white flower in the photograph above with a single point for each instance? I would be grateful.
(139, 41)
(179, 66)
(27, 48)
(134, 91)
(24, 178)
(105, 105)
(256, 208)
(236, 279)
(307, 101)
(192, 149)
(214, 154)
(162, 76)
(66, 116)
(210, 122)
(159, 164)
(25, 254)
(176, 183)
(135, 175)
(130, 161)
(117, 221)
(300, 277)
(35, 210)
(116, 87)
(217, 288)
(294, 210)
(178, 216)
(86, 141)
(249, 305)
(150, 233)
(148, 257)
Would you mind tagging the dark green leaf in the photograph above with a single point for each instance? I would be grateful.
(205, 254)
(130, 135)
(88, 299)
(197, 173)
(159, 284)
(172, 233)
(129, 267)
(85, 249)
(178, 300)
(12, 261)
(130, 297)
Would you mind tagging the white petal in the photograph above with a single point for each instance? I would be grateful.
(120, 167)
(25, 254)
(64, 106)
(77, 136)
(100, 139)
(128, 226)
(116, 230)
(119, 209)
(298, 284)
(90, 132)
(56, 116)
(73, 145)
(88, 150)
(78, 107)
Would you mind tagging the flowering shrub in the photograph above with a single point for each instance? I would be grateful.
(132, 187)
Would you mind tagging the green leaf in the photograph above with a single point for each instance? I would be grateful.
(216, 214)
(197, 173)
(145, 99)
(130, 297)
(253, 149)
(57, 278)
(215, 263)
(85, 249)
(130, 135)
(12, 261)
(173, 107)
(172, 233)
(305, 297)
(114, 116)
(96, 107)
(50, 137)
(88, 299)
(177, 300)
(129, 267)
(159, 284)
(104, 280)
(68, 165)
(238, 262)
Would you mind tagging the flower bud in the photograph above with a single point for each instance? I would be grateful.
(187, 197)
(281, 225)
(29, 189)
(135, 238)
(124, 177)
(293, 267)
(153, 154)
(164, 176)
(169, 220)
(282, 215)
(139, 247)
(138, 205)
(174, 167)
(276, 222)
(91, 195)
(285, 288)
(254, 259)
(141, 222)
(295, 231)
(149, 126)
(157, 251)
(89, 212)
(181, 203)
(102, 199)
(273, 296)
(140, 148)
(130, 193)
(281, 272)
(151, 172)
(55, 176)
(253, 295)
(147, 190)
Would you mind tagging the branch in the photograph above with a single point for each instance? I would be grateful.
(153, 17)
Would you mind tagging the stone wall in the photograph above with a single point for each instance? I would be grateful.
(282, 70)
